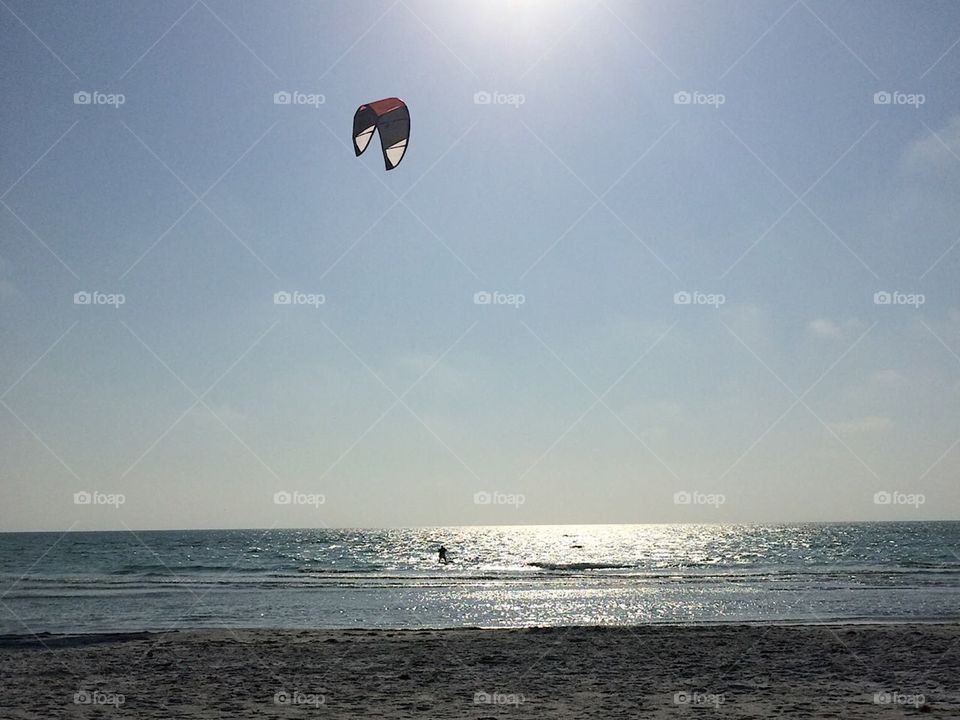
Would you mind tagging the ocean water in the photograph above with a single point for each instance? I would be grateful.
(498, 577)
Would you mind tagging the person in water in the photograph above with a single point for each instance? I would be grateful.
(443, 555)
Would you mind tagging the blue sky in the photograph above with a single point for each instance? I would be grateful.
(782, 198)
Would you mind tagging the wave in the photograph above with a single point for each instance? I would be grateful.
(340, 571)
(161, 570)
(947, 564)
(575, 578)
(580, 566)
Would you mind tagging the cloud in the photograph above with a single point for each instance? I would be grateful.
(935, 152)
(881, 386)
(822, 327)
(216, 416)
(887, 378)
(441, 374)
(866, 424)
(8, 290)
(831, 329)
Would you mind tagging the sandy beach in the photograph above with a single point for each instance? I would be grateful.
(788, 671)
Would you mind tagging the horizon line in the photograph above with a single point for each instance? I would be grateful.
(495, 525)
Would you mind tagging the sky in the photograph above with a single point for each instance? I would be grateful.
(642, 262)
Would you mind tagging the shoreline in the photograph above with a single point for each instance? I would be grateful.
(121, 634)
(740, 670)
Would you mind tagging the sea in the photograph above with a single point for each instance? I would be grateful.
(505, 576)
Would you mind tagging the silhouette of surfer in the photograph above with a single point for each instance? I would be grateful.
(443, 555)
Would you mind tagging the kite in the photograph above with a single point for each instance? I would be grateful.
(391, 119)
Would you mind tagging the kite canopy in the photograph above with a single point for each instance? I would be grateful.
(391, 119)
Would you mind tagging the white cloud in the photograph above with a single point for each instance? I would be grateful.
(441, 374)
(216, 416)
(935, 152)
(866, 424)
(887, 378)
(822, 327)
(8, 290)
(833, 329)
(882, 386)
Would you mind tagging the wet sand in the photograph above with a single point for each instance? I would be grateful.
(785, 671)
